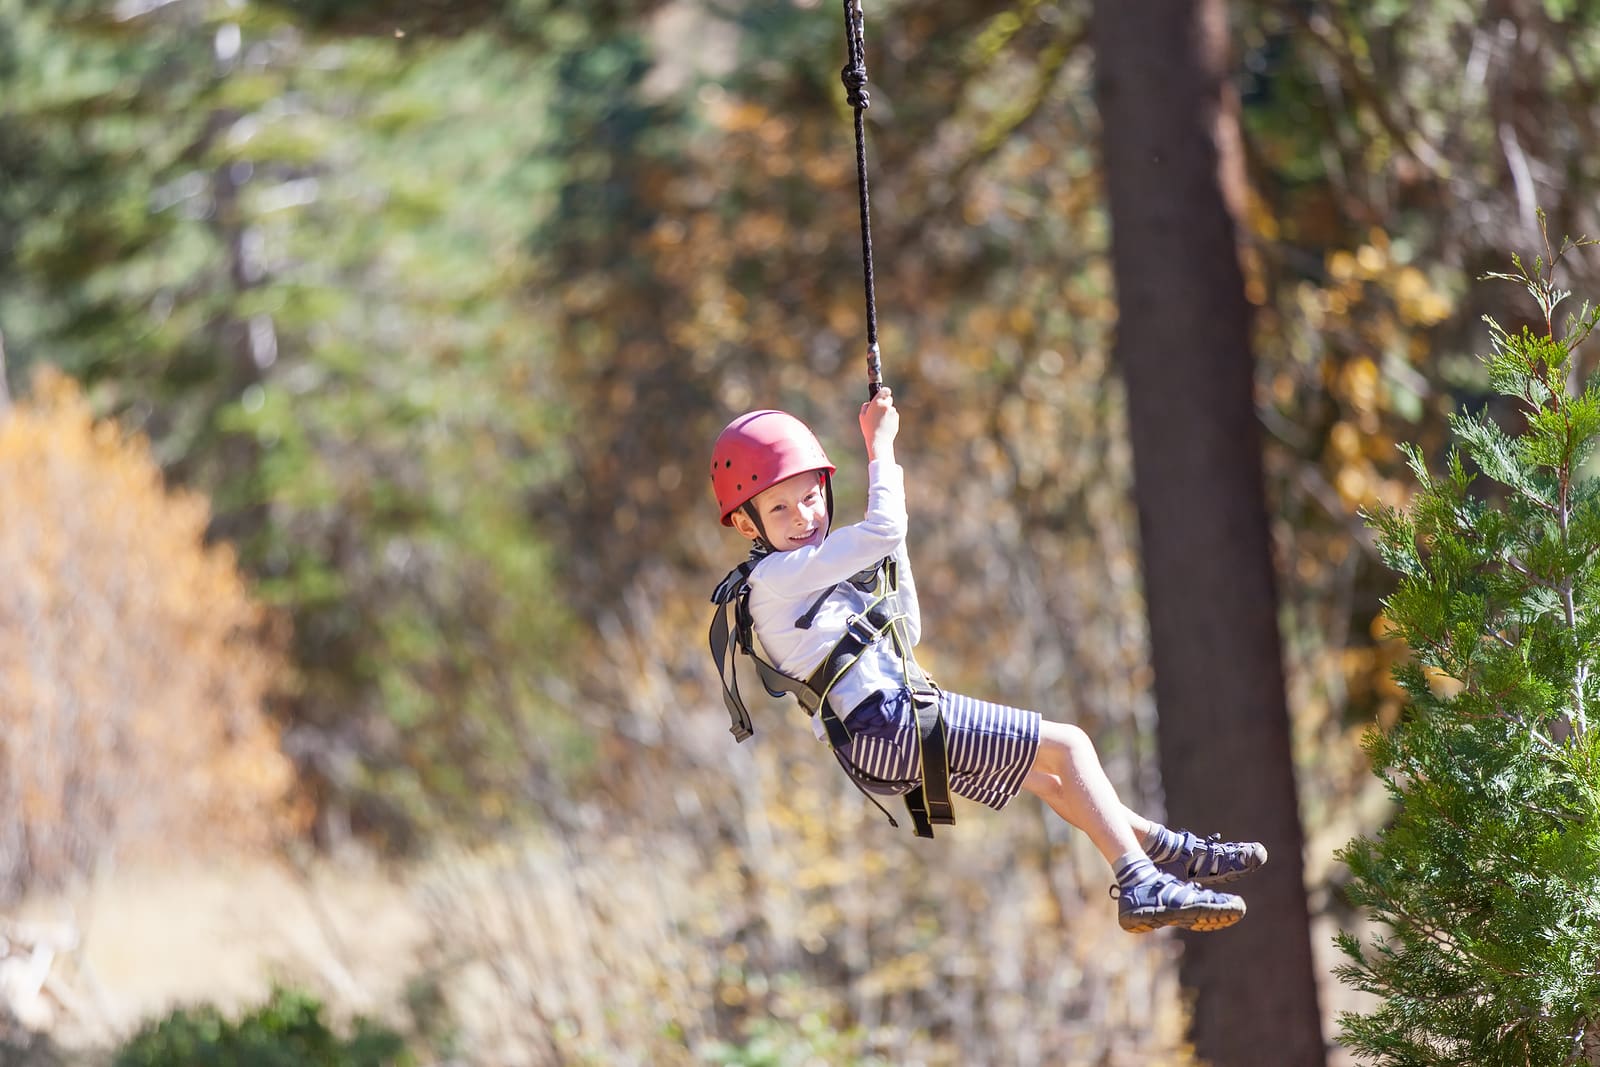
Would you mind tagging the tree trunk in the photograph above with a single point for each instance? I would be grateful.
(1172, 168)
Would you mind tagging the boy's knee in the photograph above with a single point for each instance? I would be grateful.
(1070, 738)
(1063, 744)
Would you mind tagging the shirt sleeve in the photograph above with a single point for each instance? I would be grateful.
(908, 595)
(846, 550)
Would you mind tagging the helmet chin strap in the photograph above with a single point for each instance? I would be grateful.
(750, 513)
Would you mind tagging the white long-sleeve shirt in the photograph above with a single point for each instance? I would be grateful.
(784, 586)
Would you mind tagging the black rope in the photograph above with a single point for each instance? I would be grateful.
(854, 77)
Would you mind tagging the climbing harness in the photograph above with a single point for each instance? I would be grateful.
(733, 633)
(854, 76)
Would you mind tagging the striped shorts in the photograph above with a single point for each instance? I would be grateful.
(990, 746)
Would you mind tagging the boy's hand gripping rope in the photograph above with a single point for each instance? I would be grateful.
(854, 77)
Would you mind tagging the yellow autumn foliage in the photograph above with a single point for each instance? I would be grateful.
(134, 665)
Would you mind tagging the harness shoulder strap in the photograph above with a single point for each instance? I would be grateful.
(728, 637)
(733, 632)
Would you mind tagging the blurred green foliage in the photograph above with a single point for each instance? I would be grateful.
(298, 265)
(288, 1030)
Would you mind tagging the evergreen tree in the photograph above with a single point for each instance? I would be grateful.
(1488, 878)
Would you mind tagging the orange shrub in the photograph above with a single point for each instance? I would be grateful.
(134, 665)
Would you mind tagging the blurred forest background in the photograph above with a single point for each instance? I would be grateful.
(361, 361)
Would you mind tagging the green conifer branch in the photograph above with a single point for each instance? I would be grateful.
(1488, 878)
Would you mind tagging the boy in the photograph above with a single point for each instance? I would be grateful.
(836, 613)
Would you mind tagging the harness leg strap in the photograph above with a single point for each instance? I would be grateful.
(917, 807)
(930, 802)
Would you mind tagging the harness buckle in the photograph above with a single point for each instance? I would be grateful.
(862, 628)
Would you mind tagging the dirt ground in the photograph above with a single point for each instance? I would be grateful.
(158, 937)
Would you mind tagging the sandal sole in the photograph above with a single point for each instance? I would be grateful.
(1195, 917)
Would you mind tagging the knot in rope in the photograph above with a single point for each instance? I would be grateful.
(854, 76)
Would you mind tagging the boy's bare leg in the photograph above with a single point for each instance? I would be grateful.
(1067, 775)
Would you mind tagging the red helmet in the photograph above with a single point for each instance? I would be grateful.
(760, 449)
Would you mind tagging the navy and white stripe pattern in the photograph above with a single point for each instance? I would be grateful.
(990, 746)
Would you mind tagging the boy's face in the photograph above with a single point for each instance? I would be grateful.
(794, 512)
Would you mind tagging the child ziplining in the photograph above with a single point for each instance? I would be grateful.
(835, 613)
